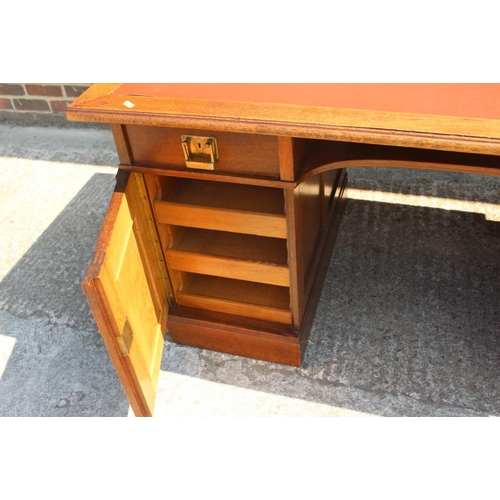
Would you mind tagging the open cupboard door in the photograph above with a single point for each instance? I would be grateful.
(127, 287)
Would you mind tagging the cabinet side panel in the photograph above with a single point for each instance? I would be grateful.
(295, 258)
(310, 201)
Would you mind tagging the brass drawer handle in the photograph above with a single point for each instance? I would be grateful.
(200, 152)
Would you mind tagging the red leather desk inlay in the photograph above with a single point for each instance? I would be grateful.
(453, 99)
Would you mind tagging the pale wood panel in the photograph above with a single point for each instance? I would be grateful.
(118, 311)
(127, 294)
(118, 241)
(133, 291)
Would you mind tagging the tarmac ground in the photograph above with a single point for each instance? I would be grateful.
(408, 322)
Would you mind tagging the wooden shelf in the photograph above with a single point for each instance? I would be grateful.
(224, 207)
(242, 298)
(230, 255)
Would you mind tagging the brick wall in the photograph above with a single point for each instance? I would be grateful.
(37, 102)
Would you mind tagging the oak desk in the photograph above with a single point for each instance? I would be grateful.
(229, 197)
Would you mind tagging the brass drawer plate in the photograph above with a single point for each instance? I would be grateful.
(200, 152)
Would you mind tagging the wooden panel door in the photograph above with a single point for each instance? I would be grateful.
(126, 286)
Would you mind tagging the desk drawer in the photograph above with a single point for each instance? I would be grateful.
(240, 154)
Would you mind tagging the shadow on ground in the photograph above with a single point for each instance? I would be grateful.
(59, 365)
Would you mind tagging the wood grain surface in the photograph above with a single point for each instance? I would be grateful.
(454, 117)
(124, 288)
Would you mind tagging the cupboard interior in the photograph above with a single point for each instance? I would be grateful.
(227, 246)
(221, 249)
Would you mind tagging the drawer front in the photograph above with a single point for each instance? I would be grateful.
(240, 154)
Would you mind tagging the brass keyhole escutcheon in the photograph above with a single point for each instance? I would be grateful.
(200, 152)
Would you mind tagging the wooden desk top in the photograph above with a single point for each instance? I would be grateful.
(460, 117)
